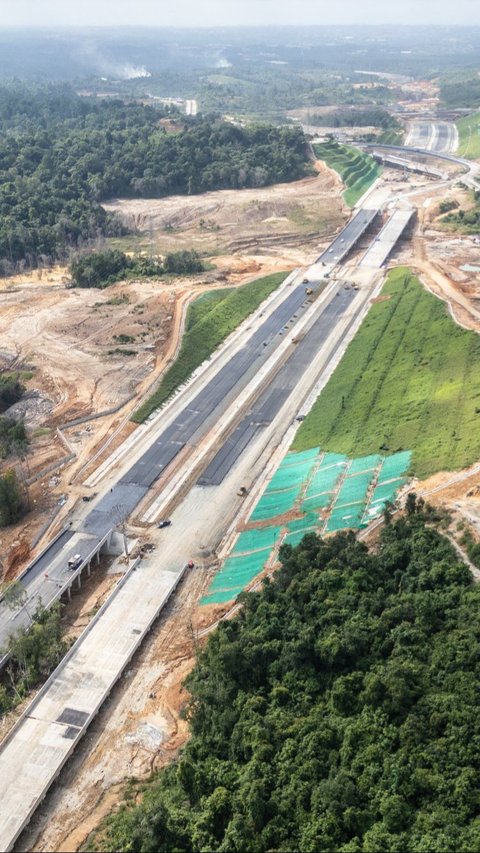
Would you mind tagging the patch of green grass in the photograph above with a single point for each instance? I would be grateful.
(357, 170)
(21, 375)
(120, 351)
(391, 137)
(122, 299)
(124, 339)
(409, 380)
(469, 136)
(210, 319)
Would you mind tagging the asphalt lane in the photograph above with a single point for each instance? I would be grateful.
(347, 238)
(193, 420)
(279, 389)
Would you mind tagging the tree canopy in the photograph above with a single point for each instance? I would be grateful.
(99, 269)
(337, 712)
(12, 505)
(61, 155)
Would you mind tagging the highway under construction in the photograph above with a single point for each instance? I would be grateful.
(191, 459)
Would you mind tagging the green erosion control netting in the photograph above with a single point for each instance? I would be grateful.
(317, 502)
(222, 596)
(308, 520)
(303, 456)
(364, 463)
(294, 539)
(383, 493)
(273, 504)
(290, 475)
(354, 489)
(329, 459)
(240, 570)
(395, 466)
(326, 481)
(255, 540)
(347, 516)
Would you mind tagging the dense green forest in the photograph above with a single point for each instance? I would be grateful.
(99, 269)
(12, 504)
(366, 117)
(61, 155)
(461, 92)
(337, 712)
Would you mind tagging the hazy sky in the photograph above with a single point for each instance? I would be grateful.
(225, 12)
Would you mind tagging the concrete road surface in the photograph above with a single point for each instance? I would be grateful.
(440, 136)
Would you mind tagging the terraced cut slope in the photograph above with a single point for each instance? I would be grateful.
(357, 170)
(310, 492)
(409, 380)
(469, 136)
(210, 319)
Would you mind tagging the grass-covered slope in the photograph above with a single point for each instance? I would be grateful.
(393, 136)
(469, 136)
(210, 319)
(337, 712)
(356, 169)
(409, 380)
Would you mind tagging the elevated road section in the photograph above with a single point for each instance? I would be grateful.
(348, 238)
(383, 245)
(46, 734)
(412, 166)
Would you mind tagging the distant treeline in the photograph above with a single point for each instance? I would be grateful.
(367, 117)
(461, 93)
(62, 155)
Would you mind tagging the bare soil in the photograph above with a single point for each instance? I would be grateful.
(265, 220)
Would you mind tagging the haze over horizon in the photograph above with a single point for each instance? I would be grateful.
(211, 13)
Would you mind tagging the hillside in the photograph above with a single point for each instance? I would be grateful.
(338, 711)
(356, 169)
(408, 381)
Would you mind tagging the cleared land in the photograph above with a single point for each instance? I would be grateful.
(469, 134)
(409, 380)
(356, 169)
(285, 220)
(210, 319)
